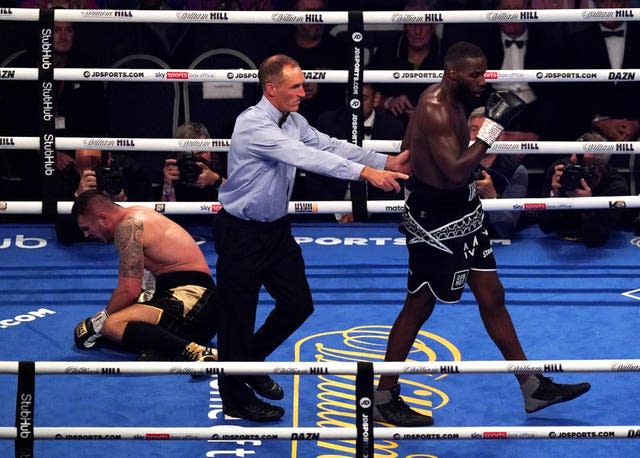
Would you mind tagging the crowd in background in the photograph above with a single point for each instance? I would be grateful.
(555, 111)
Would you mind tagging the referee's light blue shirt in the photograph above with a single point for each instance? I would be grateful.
(263, 158)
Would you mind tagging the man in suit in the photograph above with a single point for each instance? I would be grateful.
(378, 125)
(522, 45)
(316, 49)
(609, 107)
(79, 109)
(416, 48)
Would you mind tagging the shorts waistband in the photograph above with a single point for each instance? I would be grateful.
(439, 197)
(172, 280)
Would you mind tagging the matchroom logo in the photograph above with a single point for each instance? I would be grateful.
(328, 401)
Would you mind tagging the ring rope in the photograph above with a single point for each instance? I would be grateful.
(327, 17)
(19, 207)
(329, 368)
(343, 433)
(383, 146)
(319, 76)
(27, 433)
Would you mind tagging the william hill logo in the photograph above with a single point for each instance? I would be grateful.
(624, 13)
(313, 17)
(305, 207)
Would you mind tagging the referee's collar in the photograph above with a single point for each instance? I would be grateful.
(273, 113)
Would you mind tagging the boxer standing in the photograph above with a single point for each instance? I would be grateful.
(447, 240)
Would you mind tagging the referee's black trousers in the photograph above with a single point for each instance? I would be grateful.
(252, 254)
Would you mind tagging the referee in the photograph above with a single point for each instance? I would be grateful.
(253, 236)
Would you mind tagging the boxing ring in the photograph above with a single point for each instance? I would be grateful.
(575, 306)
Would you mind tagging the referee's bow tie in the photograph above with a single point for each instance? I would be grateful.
(283, 118)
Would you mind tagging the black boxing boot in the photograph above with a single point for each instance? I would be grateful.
(540, 392)
(389, 407)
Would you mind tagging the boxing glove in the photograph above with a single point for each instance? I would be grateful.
(502, 107)
(87, 332)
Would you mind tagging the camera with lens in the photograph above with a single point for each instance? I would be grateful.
(189, 168)
(110, 179)
(572, 174)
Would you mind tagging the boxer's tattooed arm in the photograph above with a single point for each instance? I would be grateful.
(128, 241)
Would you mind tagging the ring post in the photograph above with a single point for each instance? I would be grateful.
(25, 403)
(364, 410)
(355, 120)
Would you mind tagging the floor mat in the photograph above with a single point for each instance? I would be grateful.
(567, 302)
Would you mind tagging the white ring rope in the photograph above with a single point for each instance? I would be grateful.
(318, 76)
(330, 368)
(328, 17)
(20, 207)
(383, 146)
(224, 433)
(335, 368)
(525, 204)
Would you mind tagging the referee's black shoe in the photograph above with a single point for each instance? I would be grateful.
(265, 386)
(254, 410)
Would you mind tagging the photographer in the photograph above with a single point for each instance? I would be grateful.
(588, 176)
(116, 176)
(192, 176)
